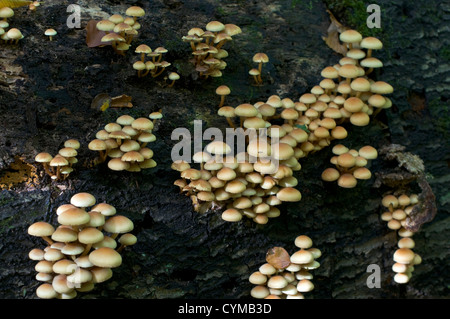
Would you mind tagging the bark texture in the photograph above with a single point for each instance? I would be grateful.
(46, 90)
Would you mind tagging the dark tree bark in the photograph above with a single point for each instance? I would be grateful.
(46, 90)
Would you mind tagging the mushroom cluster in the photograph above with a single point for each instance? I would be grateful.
(124, 143)
(350, 165)
(11, 35)
(207, 44)
(82, 250)
(154, 66)
(285, 276)
(259, 58)
(59, 167)
(399, 208)
(119, 30)
(246, 184)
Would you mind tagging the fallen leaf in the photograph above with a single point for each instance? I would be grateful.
(332, 38)
(278, 257)
(121, 101)
(94, 36)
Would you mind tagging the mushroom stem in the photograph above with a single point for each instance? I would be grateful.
(171, 84)
(58, 173)
(143, 57)
(230, 122)
(222, 100)
(119, 250)
(86, 250)
(159, 73)
(114, 236)
(48, 240)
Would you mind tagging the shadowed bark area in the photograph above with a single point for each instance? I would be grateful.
(46, 90)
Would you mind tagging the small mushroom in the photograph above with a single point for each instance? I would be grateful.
(50, 33)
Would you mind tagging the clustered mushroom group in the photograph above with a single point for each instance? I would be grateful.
(11, 35)
(124, 143)
(82, 250)
(154, 66)
(285, 276)
(246, 184)
(119, 30)
(60, 166)
(259, 58)
(207, 44)
(350, 165)
(399, 208)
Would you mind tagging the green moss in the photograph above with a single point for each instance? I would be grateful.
(445, 53)
(353, 13)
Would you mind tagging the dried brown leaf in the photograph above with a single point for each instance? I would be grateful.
(278, 257)
(332, 38)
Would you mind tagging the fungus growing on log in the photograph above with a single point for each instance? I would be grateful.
(285, 276)
(80, 251)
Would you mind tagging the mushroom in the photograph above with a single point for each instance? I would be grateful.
(260, 58)
(43, 230)
(222, 91)
(50, 33)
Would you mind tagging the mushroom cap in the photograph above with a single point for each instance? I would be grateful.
(260, 58)
(135, 11)
(105, 209)
(303, 242)
(381, 87)
(174, 76)
(90, 235)
(277, 282)
(105, 25)
(59, 160)
(349, 71)
(223, 90)
(301, 257)
(64, 235)
(231, 215)
(371, 43)
(347, 181)
(116, 164)
(73, 143)
(105, 257)
(97, 145)
(218, 147)
(100, 274)
(73, 217)
(50, 32)
(113, 37)
(350, 36)
(143, 48)
(128, 239)
(360, 119)
(46, 291)
(118, 224)
(6, 12)
(41, 229)
(83, 199)
(404, 255)
(368, 152)
(43, 157)
(68, 152)
(215, 26)
(142, 123)
(289, 194)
